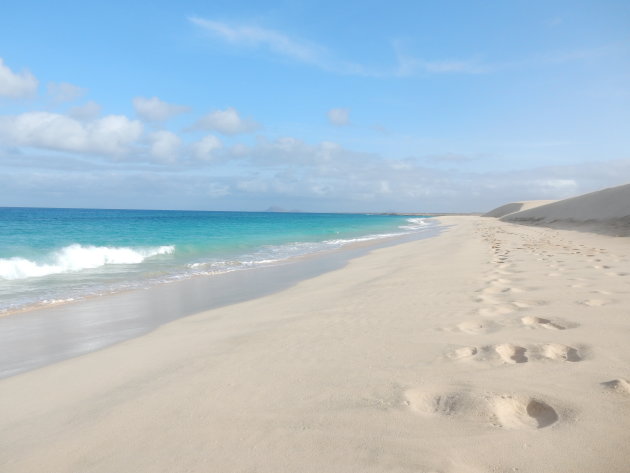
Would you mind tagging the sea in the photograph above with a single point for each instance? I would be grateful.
(53, 256)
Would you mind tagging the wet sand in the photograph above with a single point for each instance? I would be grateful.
(47, 335)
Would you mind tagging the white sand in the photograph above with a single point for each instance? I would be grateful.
(494, 347)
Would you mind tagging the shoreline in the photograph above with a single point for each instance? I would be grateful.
(492, 347)
(68, 279)
(22, 332)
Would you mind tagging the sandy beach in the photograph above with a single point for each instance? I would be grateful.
(315, 237)
(492, 347)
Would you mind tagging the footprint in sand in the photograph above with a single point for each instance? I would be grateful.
(497, 289)
(508, 353)
(511, 353)
(595, 302)
(619, 385)
(559, 352)
(462, 353)
(508, 411)
(539, 322)
(475, 327)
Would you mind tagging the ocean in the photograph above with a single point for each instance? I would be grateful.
(51, 256)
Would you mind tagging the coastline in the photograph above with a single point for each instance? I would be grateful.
(43, 335)
(492, 347)
(53, 256)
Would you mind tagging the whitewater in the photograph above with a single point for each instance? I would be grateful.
(75, 258)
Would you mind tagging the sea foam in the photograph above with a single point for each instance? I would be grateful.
(415, 224)
(76, 258)
(269, 254)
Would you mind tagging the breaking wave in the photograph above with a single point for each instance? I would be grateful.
(76, 258)
(415, 224)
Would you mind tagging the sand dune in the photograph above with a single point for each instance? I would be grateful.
(604, 211)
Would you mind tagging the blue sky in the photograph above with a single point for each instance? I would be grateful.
(321, 106)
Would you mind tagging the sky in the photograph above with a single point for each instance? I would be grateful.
(354, 106)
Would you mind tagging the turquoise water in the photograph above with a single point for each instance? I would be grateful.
(54, 255)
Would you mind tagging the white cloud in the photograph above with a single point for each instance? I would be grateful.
(227, 122)
(339, 116)
(410, 66)
(165, 146)
(281, 44)
(403, 64)
(205, 149)
(155, 110)
(287, 172)
(16, 85)
(560, 186)
(254, 36)
(61, 92)
(328, 174)
(86, 111)
(110, 135)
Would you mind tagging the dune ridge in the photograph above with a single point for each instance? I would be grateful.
(514, 207)
(605, 211)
